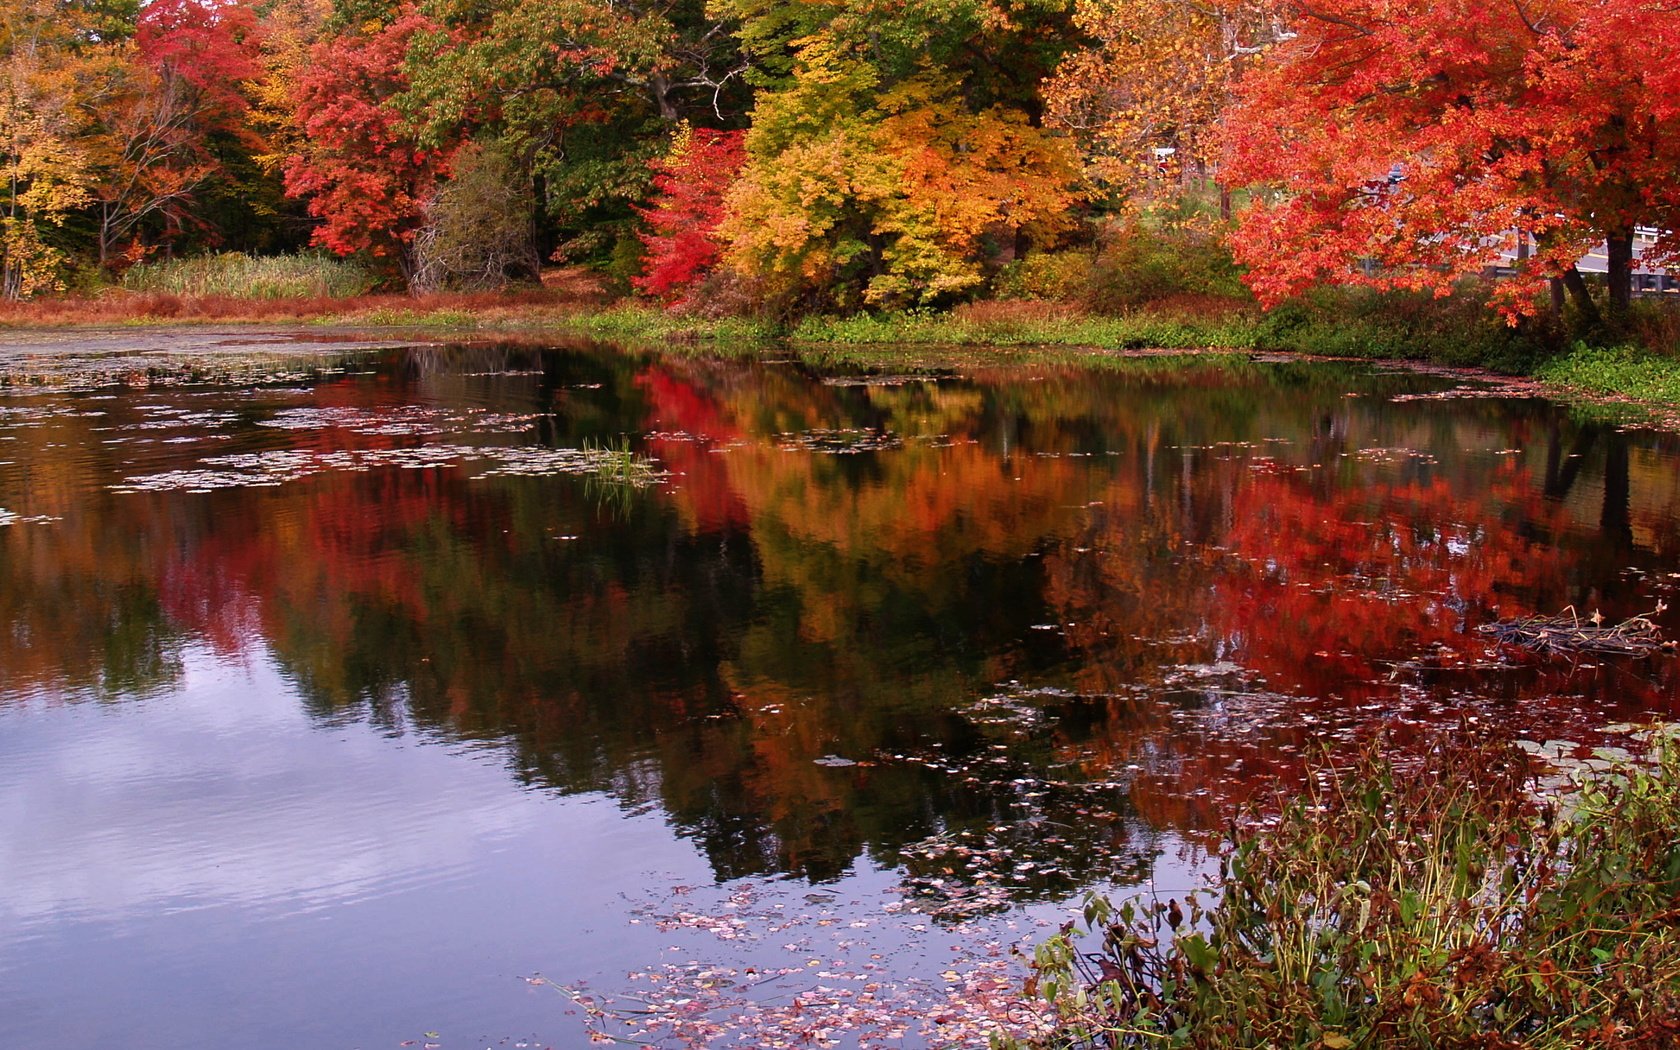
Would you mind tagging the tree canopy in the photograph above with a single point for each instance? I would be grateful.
(842, 154)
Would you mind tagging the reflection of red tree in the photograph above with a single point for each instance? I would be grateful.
(716, 686)
(697, 423)
(1325, 590)
(1335, 610)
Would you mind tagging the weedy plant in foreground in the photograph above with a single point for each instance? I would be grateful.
(1438, 907)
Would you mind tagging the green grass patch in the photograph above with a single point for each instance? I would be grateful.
(636, 322)
(405, 317)
(1626, 371)
(240, 276)
(1131, 332)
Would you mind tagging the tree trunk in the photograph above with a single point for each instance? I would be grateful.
(1582, 295)
(1614, 517)
(1619, 248)
(661, 85)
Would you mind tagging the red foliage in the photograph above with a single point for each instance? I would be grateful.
(212, 48)
(1405, 139)
(692, 181)
(366, 176)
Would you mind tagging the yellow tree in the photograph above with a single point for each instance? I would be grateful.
(894, 161)
(1143, 98)
(43, 75)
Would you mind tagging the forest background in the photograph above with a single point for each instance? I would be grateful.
(1392, 167)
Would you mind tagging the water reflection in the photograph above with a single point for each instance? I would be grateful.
(1000, 626)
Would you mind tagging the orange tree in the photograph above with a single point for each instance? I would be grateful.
(1401, 143)
(896, 149)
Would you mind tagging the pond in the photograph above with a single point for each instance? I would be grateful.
(358, 695)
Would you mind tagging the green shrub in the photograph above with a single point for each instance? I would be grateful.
(1616, 370)
(1056, 277)
(1133, 265)
(1137, 265)
(1404, 908)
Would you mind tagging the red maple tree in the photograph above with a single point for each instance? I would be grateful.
(182, 86)
(366, 176)
(680, 240)
(1404, 143)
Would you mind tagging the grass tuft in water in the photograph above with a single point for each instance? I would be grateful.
(1399, 908)
(615, 463)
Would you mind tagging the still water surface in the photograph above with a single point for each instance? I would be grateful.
(339, 697)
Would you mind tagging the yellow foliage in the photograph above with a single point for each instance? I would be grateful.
(44, 171)
(1142, 101)
(890, 193)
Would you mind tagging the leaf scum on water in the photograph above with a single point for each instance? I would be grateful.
(816, 971)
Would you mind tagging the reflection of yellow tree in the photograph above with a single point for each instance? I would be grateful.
(775, 605)
(79, 594)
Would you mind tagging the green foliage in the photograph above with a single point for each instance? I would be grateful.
(1625, 370)
(1399, 908)
(1131, 265)
(632, 322)
(1458, 329)
(403, 317)
(237, 275)
(975, 327)
(1054, 277)
(616, 463)
(1137, 264)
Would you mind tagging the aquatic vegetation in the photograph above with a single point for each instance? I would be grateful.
(276, 467)
(1570, 632)
(810, 971)
(1396, 905)
(615, 463)
(12, 517)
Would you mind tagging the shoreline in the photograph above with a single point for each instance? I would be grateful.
(1620, 378)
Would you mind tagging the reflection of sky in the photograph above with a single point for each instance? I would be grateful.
(212, 858)
(224, 797)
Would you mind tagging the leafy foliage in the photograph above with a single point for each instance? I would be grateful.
(681, 243)
(43, 157)
(1143, 100)
(862, 189)
(1401, 143)
(1402, 908)
(366, 175)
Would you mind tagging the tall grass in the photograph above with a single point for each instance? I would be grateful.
(1404, 910)
(237, 275)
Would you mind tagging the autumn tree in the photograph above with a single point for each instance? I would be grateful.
(1144, 97)
(46, 75)
(581, 95)
(362, 168)
(901, 153)
(681, 242)
(1404, 143)
(476, 232)
(183, 84)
